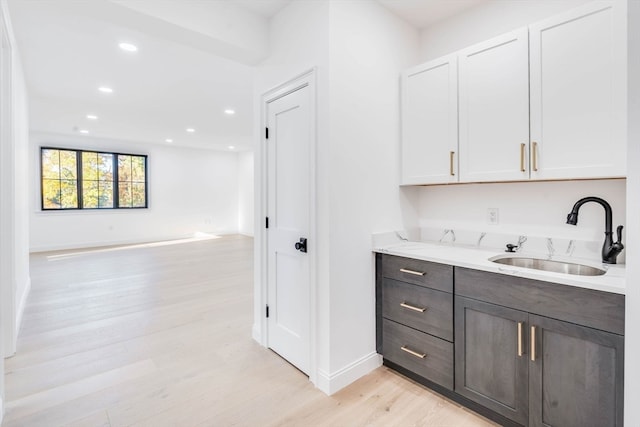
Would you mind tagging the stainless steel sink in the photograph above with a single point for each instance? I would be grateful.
(549, 265)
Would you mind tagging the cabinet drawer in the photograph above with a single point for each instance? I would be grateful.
(424, 309)
(587, 307)
(426, 355)
(418, 272)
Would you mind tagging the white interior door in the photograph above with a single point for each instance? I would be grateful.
(288, 206)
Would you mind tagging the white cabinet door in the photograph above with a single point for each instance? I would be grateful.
(578, 95)
(494, 109)
(430, 123)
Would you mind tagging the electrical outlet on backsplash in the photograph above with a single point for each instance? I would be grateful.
(539, 245)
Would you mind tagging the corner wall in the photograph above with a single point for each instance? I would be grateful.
(369, 48)
(190, 190)
(14, 255)
(632, 332)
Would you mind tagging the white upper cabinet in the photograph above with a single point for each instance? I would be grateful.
(430, 123)
(494, 109)
(578, 95)
(544, 102)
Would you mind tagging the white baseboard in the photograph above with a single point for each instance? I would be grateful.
(256, 334)
(331, 383)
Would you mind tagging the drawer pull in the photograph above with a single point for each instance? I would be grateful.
(522, 168)
(415, 273)
(519, 339)
(533, 343)
(413, 307)
(413, 353)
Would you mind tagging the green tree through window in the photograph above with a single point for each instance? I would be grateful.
(59, 179)
(75, 179)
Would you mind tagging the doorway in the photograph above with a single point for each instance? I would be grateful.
(289, 249)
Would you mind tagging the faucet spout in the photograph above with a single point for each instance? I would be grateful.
(610, 250)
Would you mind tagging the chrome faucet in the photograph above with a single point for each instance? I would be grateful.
(610, 250)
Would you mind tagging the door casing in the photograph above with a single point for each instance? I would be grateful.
(308, 78)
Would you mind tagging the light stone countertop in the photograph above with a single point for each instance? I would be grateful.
(470, 257)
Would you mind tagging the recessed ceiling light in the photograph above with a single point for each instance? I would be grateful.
(191, 130)
(83, 131)
(128, 47)
(168, 140)
(92, 117)
(229, 111)
(105, 89)
(231, 147)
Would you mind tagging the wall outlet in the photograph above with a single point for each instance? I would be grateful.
(492, 216)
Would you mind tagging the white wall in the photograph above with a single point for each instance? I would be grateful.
(369, 48)
(485, 21)
(190, 190)
(525, 208)
(21, 196)
(245, 193)
(632, 332)
(14, 255)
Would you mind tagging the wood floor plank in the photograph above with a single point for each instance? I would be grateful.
(160, 335)
(51, 397)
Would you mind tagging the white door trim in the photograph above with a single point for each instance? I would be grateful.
(308, 79)
(8, 322)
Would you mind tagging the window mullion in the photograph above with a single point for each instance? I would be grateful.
(116, 179)
(79, 179)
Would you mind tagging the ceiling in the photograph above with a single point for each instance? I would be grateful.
(423, 13)
(179, 78)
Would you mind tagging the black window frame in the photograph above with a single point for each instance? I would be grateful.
(79, 189)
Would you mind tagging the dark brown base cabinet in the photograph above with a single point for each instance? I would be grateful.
(522, 352)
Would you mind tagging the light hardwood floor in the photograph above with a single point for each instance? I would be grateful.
(161, 336)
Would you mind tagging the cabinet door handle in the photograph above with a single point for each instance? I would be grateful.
(534, 156)
(413, 353)
(533, 343)
(520, 339)
(522, 146)
(415, 273)
(413, 307)
(451, 154)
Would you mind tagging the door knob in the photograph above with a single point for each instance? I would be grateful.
(302, 245)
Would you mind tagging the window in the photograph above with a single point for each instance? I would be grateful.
(75, 179)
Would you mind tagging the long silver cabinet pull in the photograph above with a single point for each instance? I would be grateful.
(413, 307)
(413, 353)
(415, 273)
